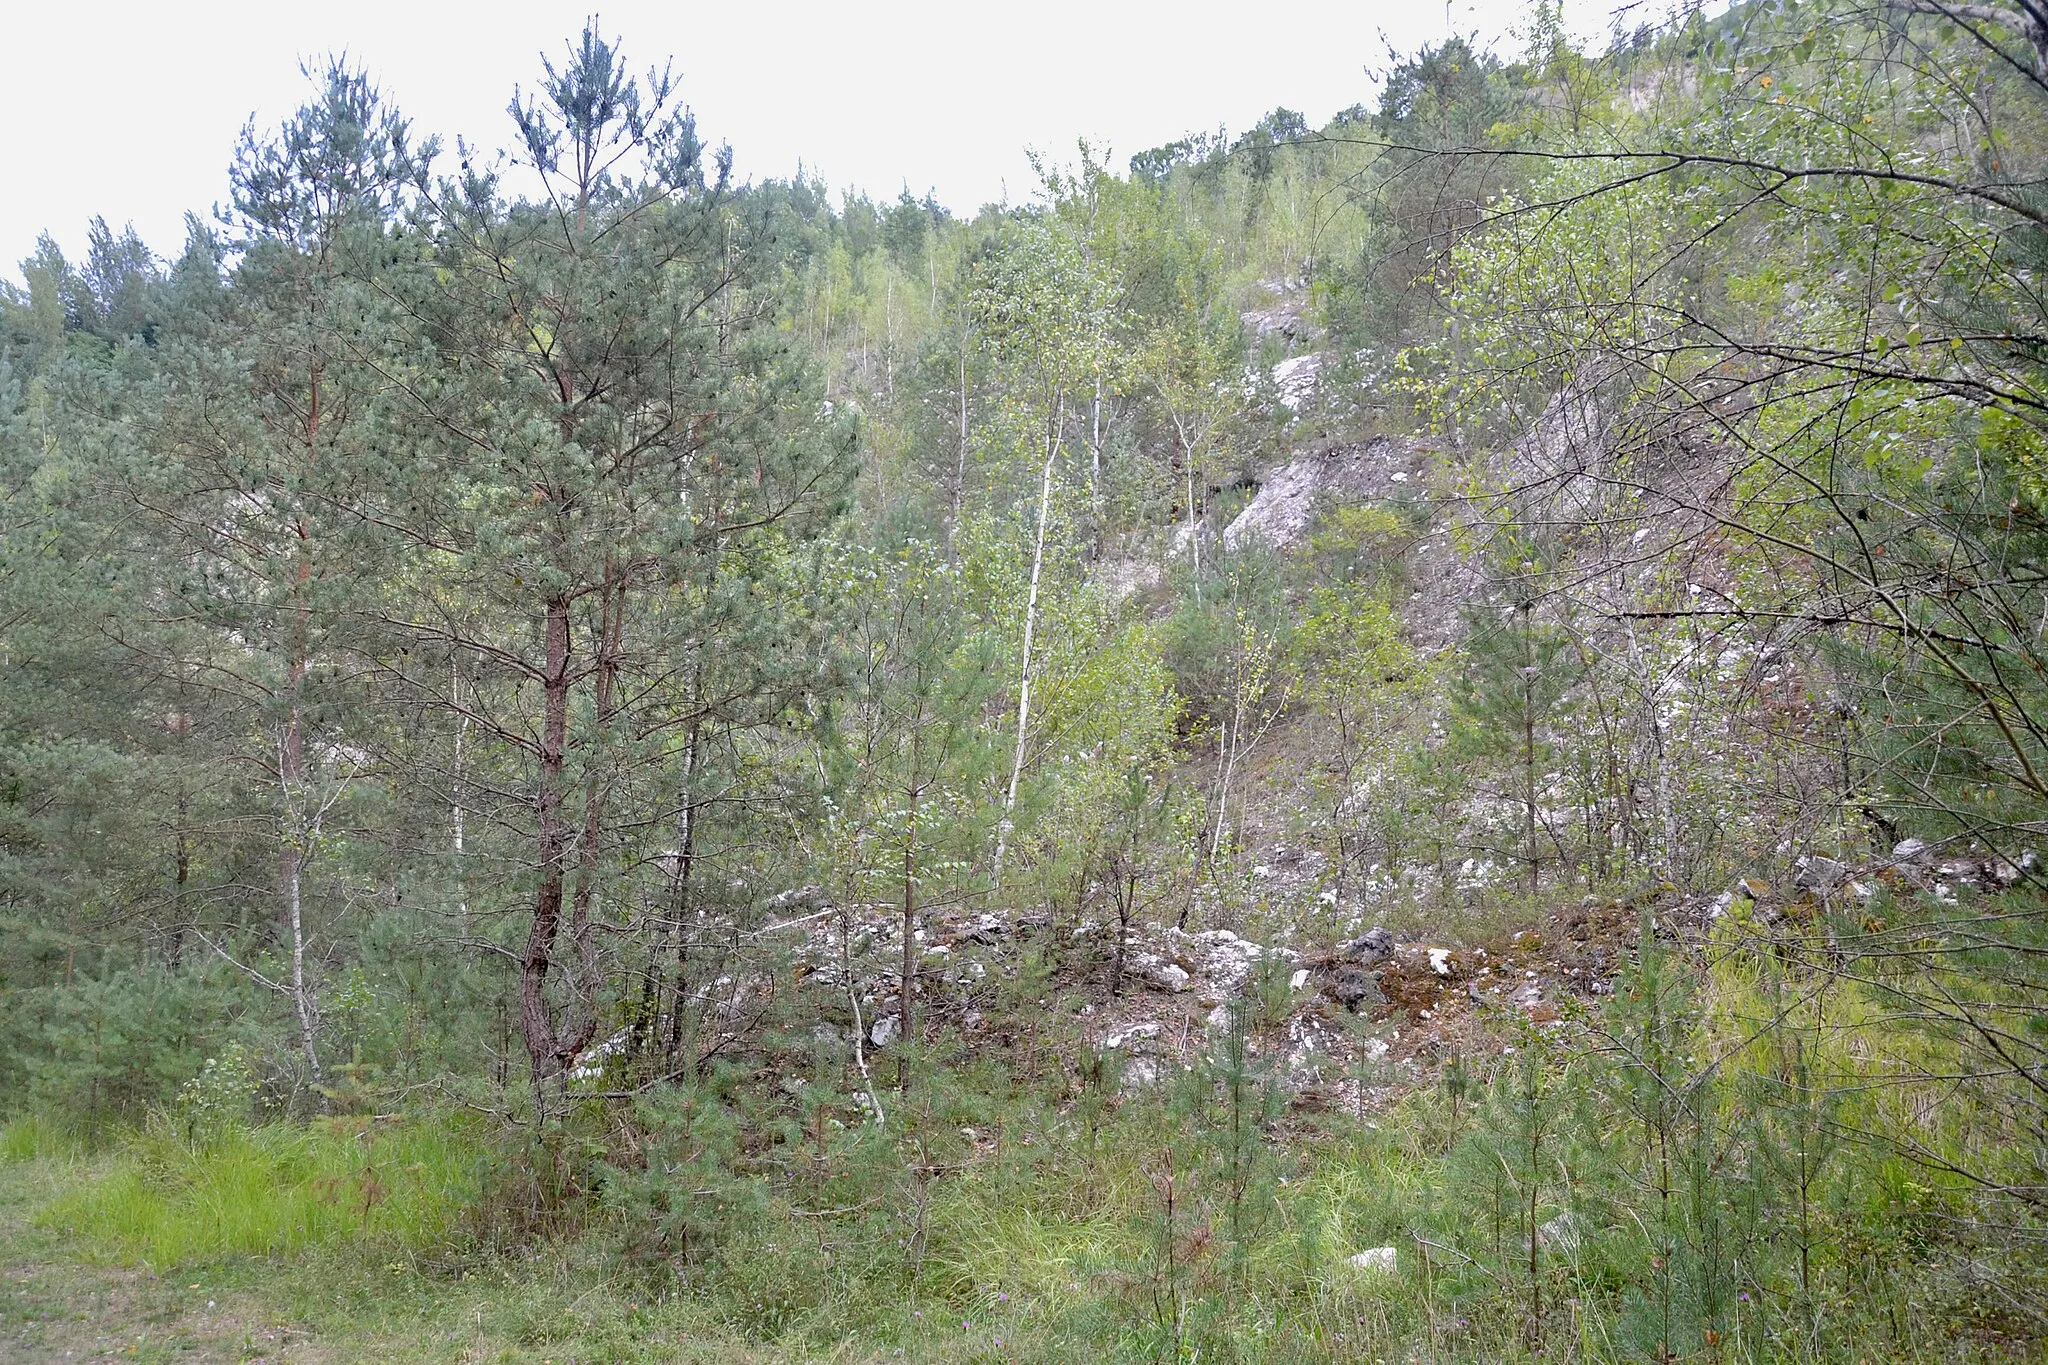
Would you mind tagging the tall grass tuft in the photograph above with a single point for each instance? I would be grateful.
(399, 1187)
(37, 1137)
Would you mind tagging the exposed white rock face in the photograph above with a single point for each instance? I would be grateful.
(589, 1064)
(1280, 512)
(1817, 873)
(1297, 378)
(1285, 314)
(1222, 957)
(1168, 976)
(1375, 945)
(1120, 578)
(1138, 1073)
(1136, 1033)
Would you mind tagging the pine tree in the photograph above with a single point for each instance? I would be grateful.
(1513, 1162)
(1668, 1152)
(252, 424)
(1518, 668)
(610, 468)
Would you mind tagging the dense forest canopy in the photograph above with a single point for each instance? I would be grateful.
(1425, 738)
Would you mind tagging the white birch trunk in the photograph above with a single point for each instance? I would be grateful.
(1095, 451)
(1052, 449)
(302, 997)
(299, 829)
(455, 811)
(960, 454)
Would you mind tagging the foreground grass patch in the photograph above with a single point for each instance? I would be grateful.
(279, 1189)
(34, 1137)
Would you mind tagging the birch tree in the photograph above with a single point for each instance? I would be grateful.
(1044, 309)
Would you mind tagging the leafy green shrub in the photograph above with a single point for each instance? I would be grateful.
(222, 1099)
(1232, 613)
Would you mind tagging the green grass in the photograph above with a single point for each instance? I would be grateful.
(398, 1187)
(36, 1137)
(429, 1238)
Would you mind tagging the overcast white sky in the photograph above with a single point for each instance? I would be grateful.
(131, 110)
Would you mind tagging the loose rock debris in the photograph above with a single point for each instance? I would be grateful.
(1347, 1024)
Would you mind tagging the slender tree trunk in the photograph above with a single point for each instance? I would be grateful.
(959, 455)
(1226, 763)
(301, 996)
(1187, 446)
(1095, 463)
(181, 824)
(582, 1020)
(1529, 791)
(291, 759)
(536, 1025)
(1126, 883)
(298, 833)
(679, 894)
(1052, 450)
(455, 794)
(181, 862)
(907, 986)
(1529, 754)
(1535, 1265)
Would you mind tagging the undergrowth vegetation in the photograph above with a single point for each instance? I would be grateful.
(1663, 1176)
